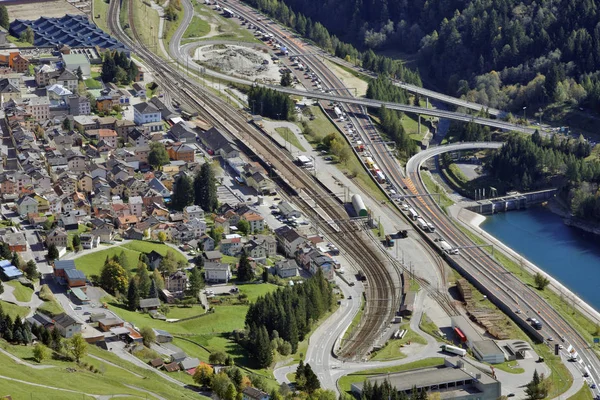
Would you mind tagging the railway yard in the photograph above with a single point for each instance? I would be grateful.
(410, 272)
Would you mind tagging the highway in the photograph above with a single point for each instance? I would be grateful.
(508, 291)
(182, 55)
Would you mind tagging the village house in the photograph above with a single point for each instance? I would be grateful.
(217, 272)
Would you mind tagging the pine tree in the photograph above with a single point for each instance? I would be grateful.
(183, 193)
(16, 260)
(205, 189)
(264, 353)
(312, 381)
(143, 280)
(76, 242)
(109, 68)
(4, 20)
(196, 282)
(245, 273)
(300, 376)
(133, 295)
(153, 292)
(56, 342)
(52, 252)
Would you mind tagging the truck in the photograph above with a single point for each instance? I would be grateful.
(413, 214)
(422, 224)
(402, 233)
(453, 349)
(445, 246)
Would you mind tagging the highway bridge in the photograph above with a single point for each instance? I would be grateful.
(414, 163)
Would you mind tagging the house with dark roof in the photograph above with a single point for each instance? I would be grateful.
(288, 240)
(41, 319)
(252, 393)
(182, 132)
(154, 259)
(66, 325)
(218, 143)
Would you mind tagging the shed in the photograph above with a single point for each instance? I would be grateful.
(189, 363)
(162, 336)
(149, 304)
(178, 356)
(81, 296)
(157, 362)
(171, 367)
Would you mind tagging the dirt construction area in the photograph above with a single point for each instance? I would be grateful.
(33, 10)
(244, 62)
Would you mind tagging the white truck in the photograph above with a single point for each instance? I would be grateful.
(445, 246)
(454, 350)
(413, 214)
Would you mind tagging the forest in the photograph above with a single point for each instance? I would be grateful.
(536, 162)
(270, 103)
(390, 120)
(506, 54)
(286, 316)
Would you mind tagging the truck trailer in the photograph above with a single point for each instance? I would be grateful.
(454, 350)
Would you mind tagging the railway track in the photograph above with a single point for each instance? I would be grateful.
(226, 118)
(510, 290)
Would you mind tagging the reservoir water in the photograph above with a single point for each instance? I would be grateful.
(568, 254)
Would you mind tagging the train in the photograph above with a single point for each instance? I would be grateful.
(454, 350)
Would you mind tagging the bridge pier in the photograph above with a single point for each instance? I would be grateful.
(426, 102)
(419, 124)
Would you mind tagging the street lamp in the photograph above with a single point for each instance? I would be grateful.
(525, 113)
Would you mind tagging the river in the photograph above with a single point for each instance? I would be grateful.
(568, 254)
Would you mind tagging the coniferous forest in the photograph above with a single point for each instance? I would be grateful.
(504, 53)
(287, 314)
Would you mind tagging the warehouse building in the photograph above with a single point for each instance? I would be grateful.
(456, 379)
(70, 30)
(484, 350)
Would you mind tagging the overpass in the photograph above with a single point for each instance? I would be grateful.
(414, 163)
(182, 55)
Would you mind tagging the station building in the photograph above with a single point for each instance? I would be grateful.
(457, 379)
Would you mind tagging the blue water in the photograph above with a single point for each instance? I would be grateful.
(568, 254)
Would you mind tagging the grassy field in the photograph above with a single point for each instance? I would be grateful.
(322, 126)
(510, 367)
(428, 326)
(91, 264)
(349, 78)
(583, 394)
(227, 28)
(355, 320)
(100, 13)
(110, 380)
(434, 187)
(51, 307)
(171, 26)
(146, 22)
(289, 136)
(393, 348)
(92, 83)
(21, 293)
(197, 28)
(345, 381)
(13, 310)
(211, 330)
